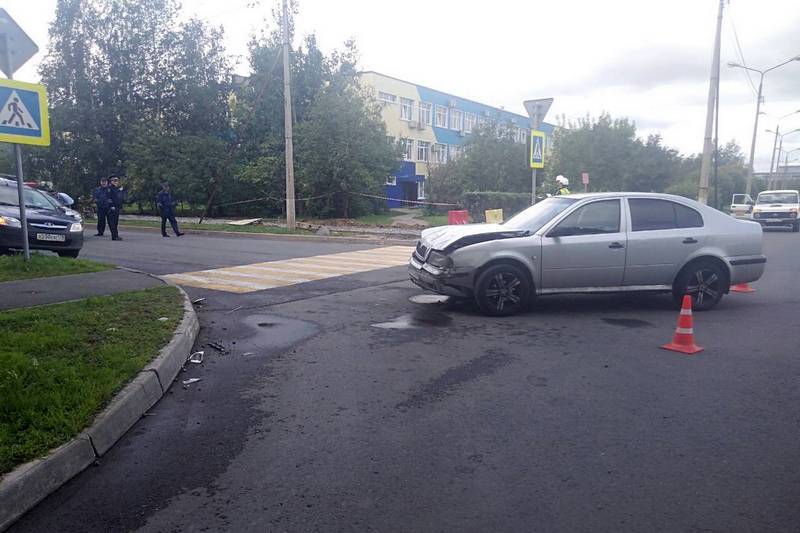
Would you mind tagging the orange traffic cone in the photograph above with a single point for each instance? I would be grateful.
(742, 287)
(683, 340)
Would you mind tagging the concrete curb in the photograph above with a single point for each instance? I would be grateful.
(28, 484)
(289, 237)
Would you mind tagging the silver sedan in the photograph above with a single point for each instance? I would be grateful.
(592, 243)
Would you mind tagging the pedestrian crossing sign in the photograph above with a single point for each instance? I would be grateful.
(23, 115)
(537, 149)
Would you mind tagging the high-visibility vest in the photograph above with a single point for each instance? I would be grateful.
(562, 191)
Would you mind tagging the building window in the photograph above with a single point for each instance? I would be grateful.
(481, 122)
(440, 153)
(387, 97)
(469, 122)
(423, 147)
(455, 151)
(406, 108)
(523, 136)
(455, 119)
(408, 149)
(441, 116)
(420, 190)
(425, 113)
(391, 180)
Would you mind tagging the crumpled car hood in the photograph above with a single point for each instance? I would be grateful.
(444, 237)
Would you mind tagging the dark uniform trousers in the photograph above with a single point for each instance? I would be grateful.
(168, 214)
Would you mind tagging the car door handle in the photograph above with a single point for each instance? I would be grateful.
(615, 245)
(689, 240)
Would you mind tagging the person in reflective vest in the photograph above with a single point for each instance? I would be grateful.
(562, 184)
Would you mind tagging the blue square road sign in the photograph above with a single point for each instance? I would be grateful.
(23, 115)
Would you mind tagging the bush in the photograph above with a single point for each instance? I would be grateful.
(510, 202)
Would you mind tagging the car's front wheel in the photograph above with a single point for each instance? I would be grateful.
(704, 281)
(796, 226)
(69, 253)
(502, 290)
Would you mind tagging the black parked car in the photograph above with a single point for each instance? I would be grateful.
(49, 228)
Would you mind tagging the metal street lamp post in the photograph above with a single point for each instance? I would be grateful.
(758, 112)
(779, 147)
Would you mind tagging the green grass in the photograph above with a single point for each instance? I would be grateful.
(382, 219)
(14, 267)
(275, 230)
(60, 364)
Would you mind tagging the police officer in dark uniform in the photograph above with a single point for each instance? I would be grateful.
(166, 204)
(117, 198)
(102, 199)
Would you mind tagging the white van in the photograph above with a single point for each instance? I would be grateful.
(778, 209)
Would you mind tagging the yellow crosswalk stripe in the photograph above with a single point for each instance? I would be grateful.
(271, 274)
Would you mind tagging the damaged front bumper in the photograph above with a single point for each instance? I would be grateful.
(441, 281)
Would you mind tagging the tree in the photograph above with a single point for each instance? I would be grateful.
(116, 68)
(492, 161)
(342, 148)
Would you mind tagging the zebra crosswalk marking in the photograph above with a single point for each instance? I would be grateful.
(272, 274)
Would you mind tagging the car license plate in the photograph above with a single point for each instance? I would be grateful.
(50, 237)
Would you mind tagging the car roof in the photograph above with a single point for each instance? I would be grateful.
(778, 190)
(582, 196)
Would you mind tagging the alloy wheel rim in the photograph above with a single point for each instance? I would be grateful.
(705, 285)
(504, 290)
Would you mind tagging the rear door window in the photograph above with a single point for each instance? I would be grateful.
(650, 214)
(686, 217)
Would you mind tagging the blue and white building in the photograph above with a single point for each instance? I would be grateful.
(433, 127)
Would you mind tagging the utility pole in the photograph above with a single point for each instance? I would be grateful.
(287, 122)
(751, 171)
(716, 149)
(708, 145)
(775, 147)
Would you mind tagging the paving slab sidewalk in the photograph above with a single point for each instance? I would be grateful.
(43, 291)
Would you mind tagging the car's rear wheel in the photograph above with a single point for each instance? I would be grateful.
(69, 253)
(502, 290)
(704, 281)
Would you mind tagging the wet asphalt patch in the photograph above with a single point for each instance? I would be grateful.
(627, 322)
(448, 382)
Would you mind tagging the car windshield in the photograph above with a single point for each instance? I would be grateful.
(536, 216)
(778, 198)
(33, 199)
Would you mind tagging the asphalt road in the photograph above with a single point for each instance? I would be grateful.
(569, 418)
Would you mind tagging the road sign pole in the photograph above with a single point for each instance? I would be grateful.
(534, 126)
(23, 219)
(537, 109)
